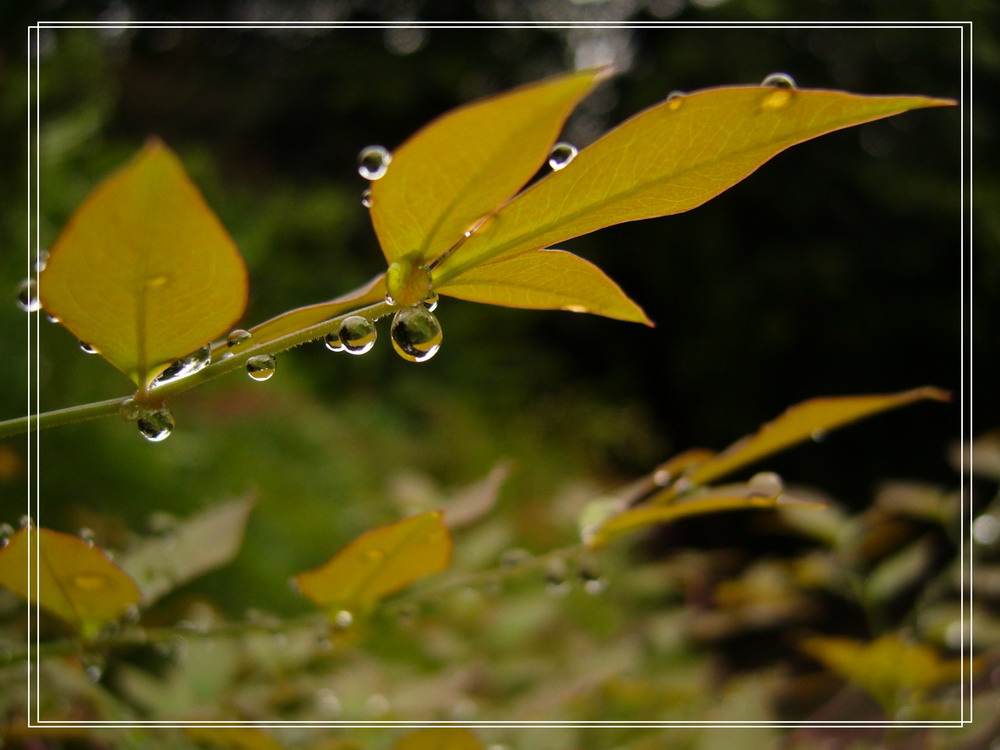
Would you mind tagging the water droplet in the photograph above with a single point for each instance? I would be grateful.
(156, 425)
(373, 161)
(357, 334)
(416, 334)
(662, 477)
(955, 634)
(25, 522)
(431, 302)
(593, 582)
(89, 582)
(87, 535)
(514, 557)
(131, 614)
(343, 619)
(779, 81)
(185, 366)
(87, 348)
(675, 99)
(818, 436)
(27, 296)
(327, 702)
(555, 577)
(766, 484)
(129, 410)
(93, 672)
(52, 318)
(986, 529)
(237, 337)
(366, 198)
(261, 367)
(332, 342)
(41, 260)
(561, 155)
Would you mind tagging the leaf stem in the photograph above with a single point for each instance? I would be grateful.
(154, 397)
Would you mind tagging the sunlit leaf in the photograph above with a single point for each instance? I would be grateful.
(729, 497)
(439, 738)
(668, 159)
(804, 421)
(236, 738)
(892, 670)
(75, 581)
(198, 544)
(467, 162)
(380, 562)
(545, 280)
(303, 317)
(144, 271)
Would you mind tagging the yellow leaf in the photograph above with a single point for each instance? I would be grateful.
(668, 159)
(802, 422)
(380, 562)
(716, 500)
(76, 582)
(303, 317)
(545, 280)
(464, 164)
(439, 738)
(144, 271)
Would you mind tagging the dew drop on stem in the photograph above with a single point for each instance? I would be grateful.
(373, 161)
(332, 342)
(156, 425)
(27, 296)
(561, 155)
(237, 337)
(185, 366)
(261, 366)
(416, 334)
(129, 410)
(357, 334)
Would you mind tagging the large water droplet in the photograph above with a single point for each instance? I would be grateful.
(185, 366)
(986, 529)
(416, 334)
(261, 366)
(561, 155)
(27, 296)
(674, 100)
(237, 337)
(357, 334)
(41, 260)
(779, 81)
(332, 342)
(373, 161)
(156, 425)
(766, 484)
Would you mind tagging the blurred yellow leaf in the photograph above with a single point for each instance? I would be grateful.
(76, 581)
(380, 562)
(144, 271)
(545, 280)
(236, 738)
(303, 317)
(464, 164)
(439, 738)
(892, 670)
(670, 158)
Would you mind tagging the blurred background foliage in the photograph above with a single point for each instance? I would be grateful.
(834, 270)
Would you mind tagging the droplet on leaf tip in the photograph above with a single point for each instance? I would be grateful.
(41, 260)
(561, 155)
(156, 425)
(261, 367)
(416, 334)
(357, 334)
(27, 296)
(431, 301)
(87, 348)
(675, 99)
(779, 81)
(373, 161)
(237, 337)
(366, 198)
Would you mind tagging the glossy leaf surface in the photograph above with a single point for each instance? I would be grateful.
(439, 738)
(670, 158)
(144, 271)
(76, 581)
(545, 280)
(464, 164)
(380, 562)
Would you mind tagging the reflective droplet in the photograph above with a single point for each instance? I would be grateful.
(52, 318)
(431, 301)
(261, 367)
(662, 477)
(593, 582)
(25, 522)
(343, 619)
(87, 536)
(373, 161)
(515, 557)
(674, 100)
(87, 348)
(27, 296)
(156, 425)
(327, 702)
(561, 155)
(818, 436)
(6, 532)
(41, 260)
(779, 81)
(366, 198)
(986, 529)
(416, 334)
(129, 410)
(555, 577)
(93, 672)
(357, 334)
(332, 342)
(237, 337)
(185, 366)
(766, 484)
